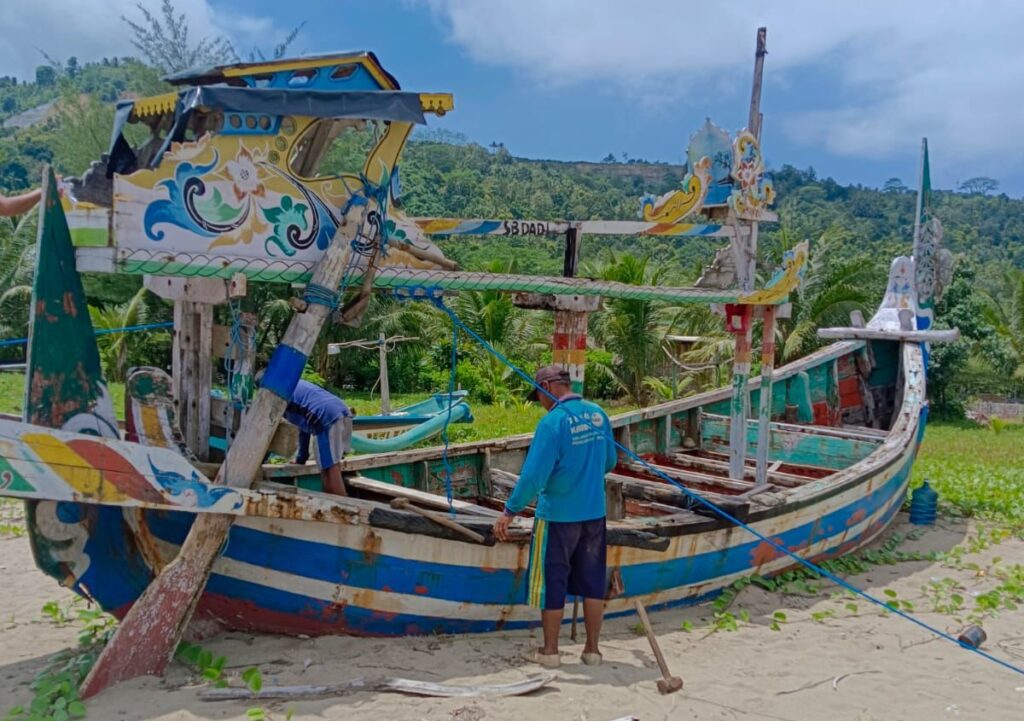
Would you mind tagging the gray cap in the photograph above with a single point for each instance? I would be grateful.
(547, 374)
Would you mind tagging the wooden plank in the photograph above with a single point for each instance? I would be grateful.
(793, 444)
(402, 504)
(197, 290)
(421, 497)
(774, 475)
(903, 336)
(148, 635)
(684, 476)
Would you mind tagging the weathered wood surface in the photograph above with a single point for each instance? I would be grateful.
(767, 368)
(403, 504)
(667, 683)
(397, 685)
(416, 496)
(793, 444)
(904, 336)
(148, 635)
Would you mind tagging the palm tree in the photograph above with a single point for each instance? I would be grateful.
(1004, 311)
(510, 330)
(116, 347)
(831, 290)
(17, 268)
(632, 330)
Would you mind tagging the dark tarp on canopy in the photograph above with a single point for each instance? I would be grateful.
(391, 105)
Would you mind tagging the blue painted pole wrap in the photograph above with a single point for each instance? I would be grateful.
(283, 371)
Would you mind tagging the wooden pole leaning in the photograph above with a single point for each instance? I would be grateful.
(148, 636)
(667, 683)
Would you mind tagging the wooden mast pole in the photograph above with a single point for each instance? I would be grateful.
(740, 322)
(148, 636)
(764, 412)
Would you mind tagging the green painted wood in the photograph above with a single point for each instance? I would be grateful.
(797, 447)
(886, 355)
(65, 378)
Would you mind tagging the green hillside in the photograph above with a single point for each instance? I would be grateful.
(855, 232)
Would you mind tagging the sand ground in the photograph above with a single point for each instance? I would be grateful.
(857, 665)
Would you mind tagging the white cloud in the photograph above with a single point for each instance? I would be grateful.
(904, 68)
(91, 29)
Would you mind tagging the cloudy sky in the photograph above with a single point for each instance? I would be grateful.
(850, 88)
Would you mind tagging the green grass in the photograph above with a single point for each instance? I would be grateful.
(488, 421)
(978, 471)
(12, 394)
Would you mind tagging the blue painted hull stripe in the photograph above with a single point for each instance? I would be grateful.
(355, 619)
(469, 584)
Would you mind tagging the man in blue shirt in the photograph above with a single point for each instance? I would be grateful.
(325, 417)
(564, 470)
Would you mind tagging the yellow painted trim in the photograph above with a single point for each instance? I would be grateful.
(155, 105)
(277, 67)
(536, 586)
(71, 467)
(437, 103)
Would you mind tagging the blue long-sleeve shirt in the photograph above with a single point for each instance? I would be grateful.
(313, 410)
(565, 466)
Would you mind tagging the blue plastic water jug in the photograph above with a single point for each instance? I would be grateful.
(923, 505)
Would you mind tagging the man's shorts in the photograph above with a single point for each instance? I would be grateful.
(332, 445)
(567, 559)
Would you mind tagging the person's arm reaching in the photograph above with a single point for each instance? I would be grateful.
(19, 204)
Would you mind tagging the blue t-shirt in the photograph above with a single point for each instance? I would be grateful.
(565, 466)
(313, 409)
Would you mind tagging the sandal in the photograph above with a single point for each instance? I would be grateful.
(548, 660)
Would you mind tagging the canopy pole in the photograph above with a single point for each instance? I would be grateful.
(738, 322)
(764, 412)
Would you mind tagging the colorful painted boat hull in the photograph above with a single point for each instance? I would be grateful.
(313, 577)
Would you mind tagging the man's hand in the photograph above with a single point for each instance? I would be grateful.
(501, 527)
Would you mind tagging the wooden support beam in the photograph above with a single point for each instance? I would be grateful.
(148, 635)
(904, 336)
(764, 413)
(739, 322)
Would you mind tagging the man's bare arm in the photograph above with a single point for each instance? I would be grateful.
(19, 204)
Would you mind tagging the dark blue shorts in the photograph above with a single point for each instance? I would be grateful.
(567, 559)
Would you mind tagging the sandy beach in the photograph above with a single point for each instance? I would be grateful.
(855, 665)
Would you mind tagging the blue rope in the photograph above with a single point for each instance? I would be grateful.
(102, 331)
(321, 295)
(435, 296)
(438, 301)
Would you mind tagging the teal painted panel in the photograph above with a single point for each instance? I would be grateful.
(886, 354)
(644, 436)
(794, 447)
(465, 475)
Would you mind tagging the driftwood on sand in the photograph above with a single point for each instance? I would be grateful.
(397, 685)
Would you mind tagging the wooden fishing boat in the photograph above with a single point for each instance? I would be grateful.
(821, 467)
